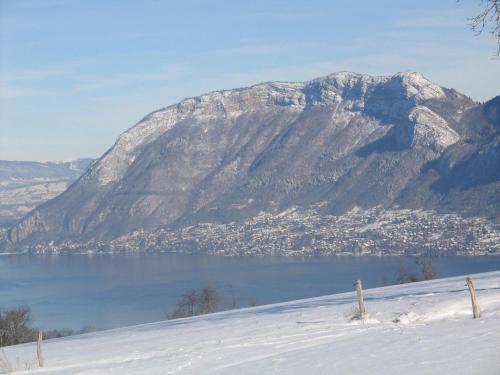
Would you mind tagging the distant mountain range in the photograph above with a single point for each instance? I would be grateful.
(337, 145)
(26, 184)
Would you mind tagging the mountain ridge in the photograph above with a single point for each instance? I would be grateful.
(347, 139)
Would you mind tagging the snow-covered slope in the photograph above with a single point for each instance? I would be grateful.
(420, 328)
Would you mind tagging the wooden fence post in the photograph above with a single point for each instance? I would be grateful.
(39, 352)
(361, 303)
(475, 308)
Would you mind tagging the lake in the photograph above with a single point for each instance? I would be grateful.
(70, 291)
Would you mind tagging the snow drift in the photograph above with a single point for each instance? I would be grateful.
(420, 328)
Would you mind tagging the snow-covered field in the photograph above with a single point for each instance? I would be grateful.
(420, 328)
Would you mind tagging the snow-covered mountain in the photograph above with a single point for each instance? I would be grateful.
(27, 184)
(341, 142)
(419, 328)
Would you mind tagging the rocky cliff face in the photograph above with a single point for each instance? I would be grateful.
(338, 142)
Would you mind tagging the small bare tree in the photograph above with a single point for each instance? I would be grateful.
(209, 300)
(15, 326)
(194, 302)
(187, 305)
(426, 271)
(190, 301)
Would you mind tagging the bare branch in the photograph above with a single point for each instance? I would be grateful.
(488, 21)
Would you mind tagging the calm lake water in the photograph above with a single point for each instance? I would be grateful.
(70, 291)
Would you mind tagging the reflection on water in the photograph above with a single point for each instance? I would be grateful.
(116, 290)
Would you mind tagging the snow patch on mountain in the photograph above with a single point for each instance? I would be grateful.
(430, 130)
(420, 87)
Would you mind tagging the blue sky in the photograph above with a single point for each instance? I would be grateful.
(74, 74)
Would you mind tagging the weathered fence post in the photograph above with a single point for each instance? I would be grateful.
(39, 352)
(361, 303)
(475, 308)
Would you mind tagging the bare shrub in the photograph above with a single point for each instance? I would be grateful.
(186, 306)
(205, 301)
(88, 329)
(194, 302)
(404, 275)
(63, 332)
(57, 333)
(15, 326)
(209, 300)
(425, 271)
